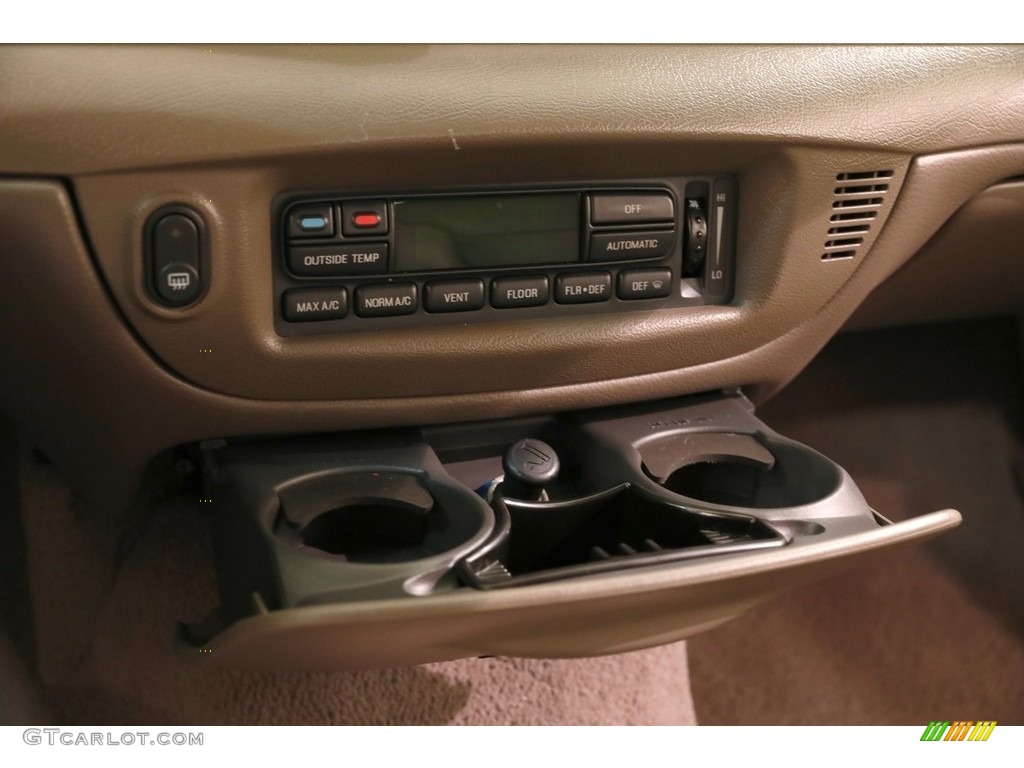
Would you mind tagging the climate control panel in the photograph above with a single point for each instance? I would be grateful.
(348, 262)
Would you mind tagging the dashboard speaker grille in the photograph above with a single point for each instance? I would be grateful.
(855, 202)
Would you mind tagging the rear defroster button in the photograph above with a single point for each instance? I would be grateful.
(178, 284)
(174, 250)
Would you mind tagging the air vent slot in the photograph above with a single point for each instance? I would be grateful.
(854, 197)
(855, 229)
(863, 175)
(856, 216)
(837, 255)
(843, 242)
(873, 202)
(862, 189)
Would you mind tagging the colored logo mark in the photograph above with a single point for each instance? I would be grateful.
(958, 730)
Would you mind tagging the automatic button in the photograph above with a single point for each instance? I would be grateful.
(386, 300)
(583, 289)
(622, 246)
(645, 284)
(637, 208)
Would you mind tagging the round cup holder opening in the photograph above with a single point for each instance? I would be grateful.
(376, 517)
(774, 475)
(372, 532)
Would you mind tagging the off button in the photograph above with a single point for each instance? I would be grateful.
(631, 208)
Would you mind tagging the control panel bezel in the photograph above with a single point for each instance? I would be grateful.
(713, 285)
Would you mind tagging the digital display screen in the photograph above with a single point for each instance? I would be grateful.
(486, 231)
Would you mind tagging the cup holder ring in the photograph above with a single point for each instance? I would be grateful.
(739, 470)
(386, 516)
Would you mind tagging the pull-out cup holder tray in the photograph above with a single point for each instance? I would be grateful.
(624, 527)
(666, 519)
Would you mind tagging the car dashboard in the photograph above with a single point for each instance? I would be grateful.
(464, 343)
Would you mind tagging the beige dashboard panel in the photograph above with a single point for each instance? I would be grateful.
(971, 268)
(786, 201)
(94, 138)
(75, 110)
(100, 405)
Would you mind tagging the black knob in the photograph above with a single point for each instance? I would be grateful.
(529, 465)
(696, 238)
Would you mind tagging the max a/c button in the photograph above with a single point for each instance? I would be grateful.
(645, 284)
(302, 304)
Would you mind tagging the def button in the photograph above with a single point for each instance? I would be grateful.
(645, 284)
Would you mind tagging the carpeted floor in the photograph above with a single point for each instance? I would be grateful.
(923, 419)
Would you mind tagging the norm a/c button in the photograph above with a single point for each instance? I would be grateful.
(385, 300)
(645, 283)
